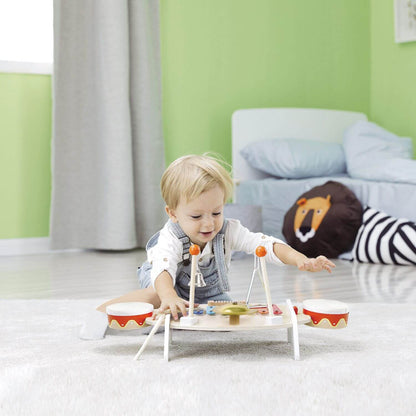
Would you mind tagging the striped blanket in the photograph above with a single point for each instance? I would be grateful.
(385, 239)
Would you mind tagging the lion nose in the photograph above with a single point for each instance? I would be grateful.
(304, 230)
(306, 224)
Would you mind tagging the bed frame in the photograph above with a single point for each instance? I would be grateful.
(256, 124)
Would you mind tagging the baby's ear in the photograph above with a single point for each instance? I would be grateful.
(171, 214)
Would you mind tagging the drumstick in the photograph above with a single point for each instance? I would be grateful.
(261, 252)
(194, 251)
(149, 337)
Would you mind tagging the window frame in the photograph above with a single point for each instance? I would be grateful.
(45, 68)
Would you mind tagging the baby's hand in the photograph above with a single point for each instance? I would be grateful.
(175, 304)
(316, 264)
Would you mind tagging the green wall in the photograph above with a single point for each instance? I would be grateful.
(393, 74)
(219, 56)
(25, 137)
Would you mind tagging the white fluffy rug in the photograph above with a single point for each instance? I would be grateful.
(369, 368)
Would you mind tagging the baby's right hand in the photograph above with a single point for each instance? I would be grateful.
(175, 304)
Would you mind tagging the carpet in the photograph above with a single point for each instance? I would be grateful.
(367, 368)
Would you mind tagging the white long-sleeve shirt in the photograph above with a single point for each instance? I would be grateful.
(167, 253)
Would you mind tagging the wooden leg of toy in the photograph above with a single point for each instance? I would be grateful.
(294, 330)
(289, 335)
(149, 337)
(167, 338)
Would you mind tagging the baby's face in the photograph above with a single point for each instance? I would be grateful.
(202, 218)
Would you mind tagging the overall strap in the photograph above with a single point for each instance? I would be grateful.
(184, 239)
(218, 247)
(152, 241)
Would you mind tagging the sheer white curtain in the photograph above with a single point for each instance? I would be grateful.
(107, 147)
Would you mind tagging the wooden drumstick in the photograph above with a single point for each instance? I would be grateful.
(149, 337)
(261, 252)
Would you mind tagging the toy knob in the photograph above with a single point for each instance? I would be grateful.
(194, 250)
(261, 251)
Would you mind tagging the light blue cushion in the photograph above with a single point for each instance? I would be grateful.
(373, 153)
(295, 158)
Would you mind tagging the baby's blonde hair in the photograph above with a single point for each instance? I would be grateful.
(189, 176)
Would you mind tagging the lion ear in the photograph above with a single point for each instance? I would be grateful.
(328, 198)
(301, 201)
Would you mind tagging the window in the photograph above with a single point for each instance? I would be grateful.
(26, 36)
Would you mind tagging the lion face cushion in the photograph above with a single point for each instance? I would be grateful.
(324, 220)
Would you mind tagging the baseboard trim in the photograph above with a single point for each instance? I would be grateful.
(23, 246)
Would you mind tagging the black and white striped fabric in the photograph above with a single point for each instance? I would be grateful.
(385, 239)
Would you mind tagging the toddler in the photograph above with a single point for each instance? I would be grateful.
(195, 189)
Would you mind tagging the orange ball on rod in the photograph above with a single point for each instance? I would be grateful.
(261, 251)
(194, 250)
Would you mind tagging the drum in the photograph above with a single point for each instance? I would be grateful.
(128, 315)
(326, 313)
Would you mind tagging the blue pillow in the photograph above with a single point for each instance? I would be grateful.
(295, 158)
(373, 153)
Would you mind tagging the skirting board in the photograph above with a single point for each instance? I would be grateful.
(27, 246)
(23, 246)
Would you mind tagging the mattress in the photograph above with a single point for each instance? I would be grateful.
(276, 196)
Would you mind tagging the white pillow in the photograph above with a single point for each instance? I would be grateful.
(373, 153)
(295, 158)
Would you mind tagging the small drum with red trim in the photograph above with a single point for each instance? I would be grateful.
(326, 313)
(128, 315)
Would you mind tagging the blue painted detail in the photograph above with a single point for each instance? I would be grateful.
(198, 311)
(210, 310)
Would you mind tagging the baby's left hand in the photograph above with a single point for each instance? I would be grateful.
(316, 264)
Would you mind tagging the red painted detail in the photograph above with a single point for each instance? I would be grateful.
(333, 318)
(122, 320)
(264, 310)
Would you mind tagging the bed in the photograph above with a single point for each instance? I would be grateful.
(276, 195)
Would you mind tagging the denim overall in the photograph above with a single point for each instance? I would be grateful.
(215, 274)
